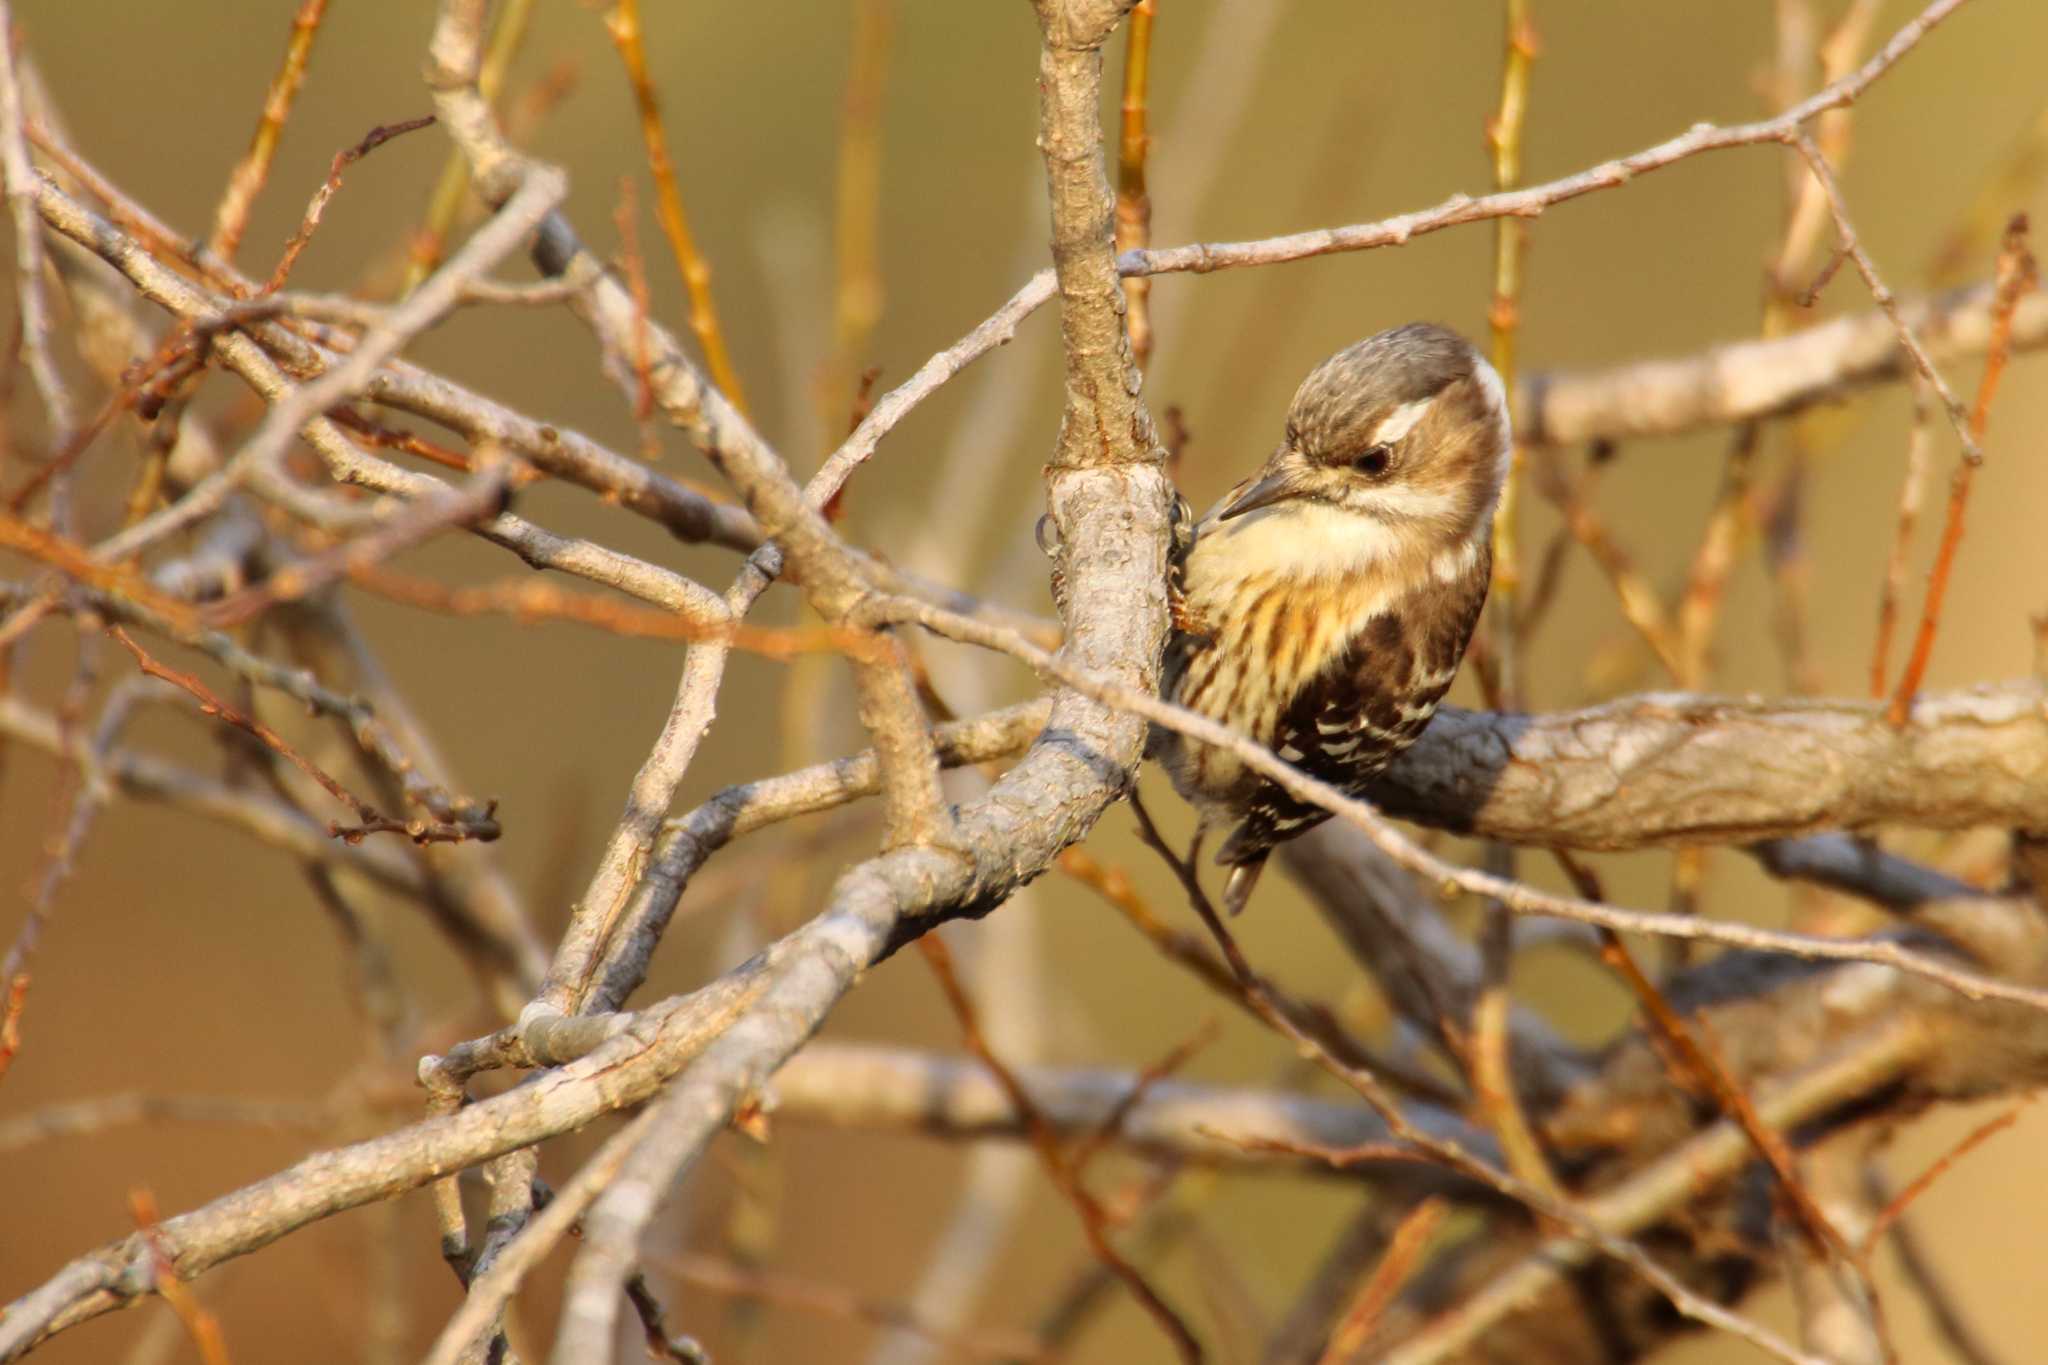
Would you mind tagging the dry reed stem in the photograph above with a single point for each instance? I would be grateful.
(1133, 200)
(1912, 489)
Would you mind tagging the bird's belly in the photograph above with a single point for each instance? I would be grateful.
(1266, 640)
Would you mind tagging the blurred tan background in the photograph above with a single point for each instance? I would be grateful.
(183, 960)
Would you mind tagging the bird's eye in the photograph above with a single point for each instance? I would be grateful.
(1373, 461)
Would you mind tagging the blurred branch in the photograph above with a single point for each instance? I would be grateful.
(83, 1118)
(903, 1090)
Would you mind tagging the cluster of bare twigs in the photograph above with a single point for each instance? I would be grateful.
(1720, 1142)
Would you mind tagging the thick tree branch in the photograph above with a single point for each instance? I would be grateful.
(1672, 768)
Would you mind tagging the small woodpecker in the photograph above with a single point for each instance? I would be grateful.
(1327, 600)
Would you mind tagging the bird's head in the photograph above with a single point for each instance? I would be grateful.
(1407, 429)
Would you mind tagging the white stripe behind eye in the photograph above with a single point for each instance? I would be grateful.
(1497, 395)
(1401, 421)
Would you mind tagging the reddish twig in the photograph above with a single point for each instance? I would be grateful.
(1094, 1220)
(381, 437)
(369, 820)
(1699, 1069)
(1810, 295)
(231, 217)
(1187, 950)
(212, 705)
(1896, 1207)
(145, 387)
(857, 205)
(2016, 275)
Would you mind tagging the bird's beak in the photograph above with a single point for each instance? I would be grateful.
(1279, 480)
(1263, 493)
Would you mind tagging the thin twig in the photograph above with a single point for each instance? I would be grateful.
(626, 216)
(1895, 1207)
(1702, 1069)
(309, 222)
(1956, 1330)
